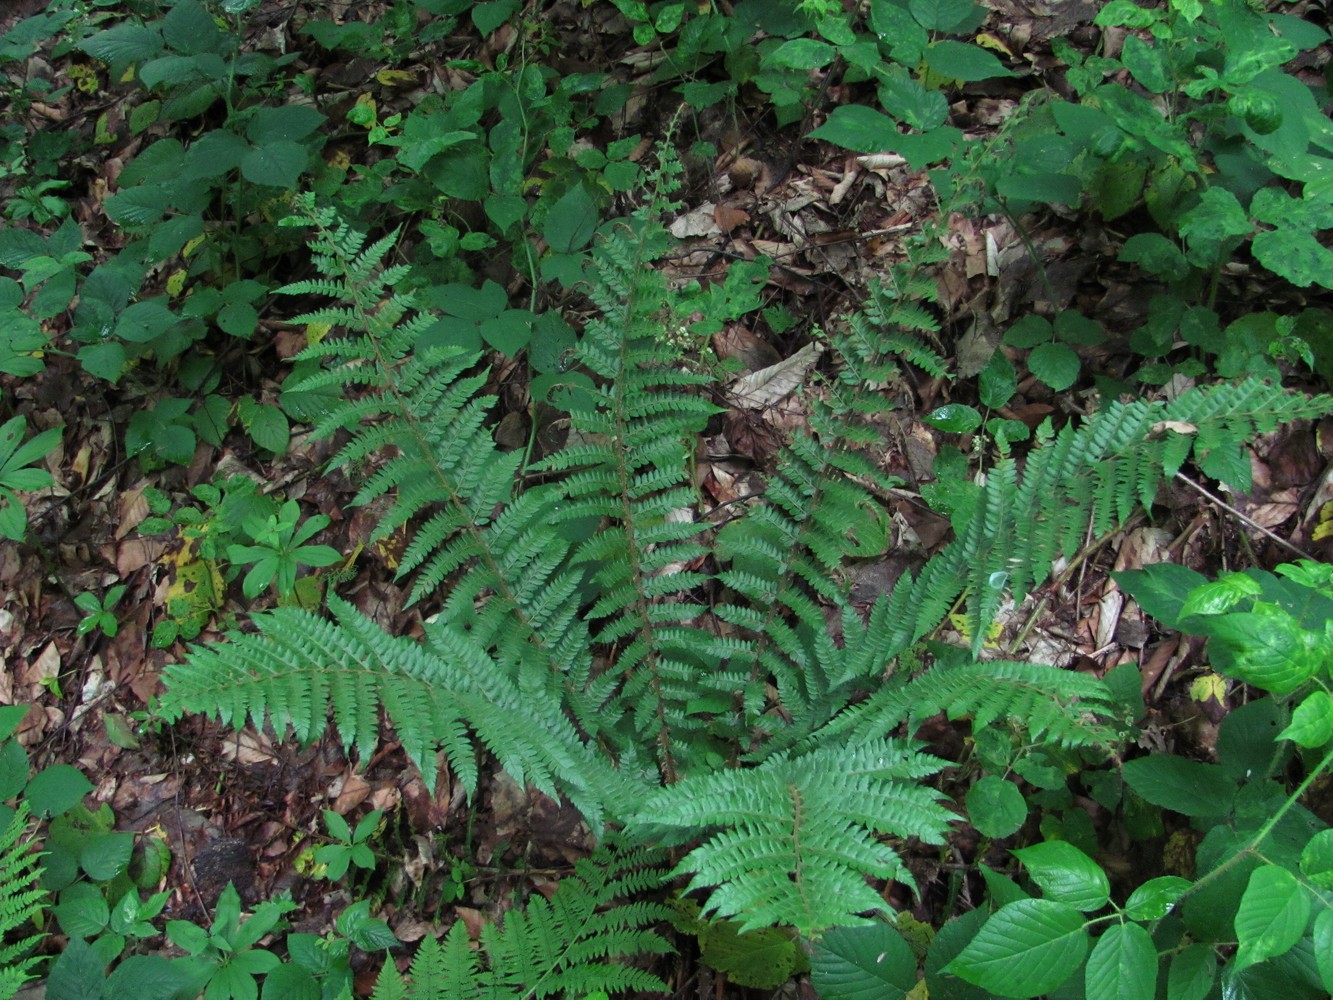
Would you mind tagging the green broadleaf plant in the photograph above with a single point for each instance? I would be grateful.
(280, 548)
(16, 458)
(1263, 864)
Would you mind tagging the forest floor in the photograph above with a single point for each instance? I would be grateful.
(243, 806)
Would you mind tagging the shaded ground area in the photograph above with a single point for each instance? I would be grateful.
(242, 806)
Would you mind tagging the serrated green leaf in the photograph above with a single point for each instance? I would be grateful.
(124, 43)
(1123, 965)
(57, 788)
(106, 855)
(1191, 974)
(571, 222)
(1055, 364)
(1266, 647)
(1027, 948)
(964, 62)
(1323, 946)
(1066, 874)
(997, 382)
(858, 128)
(1295, 255)
(996, 807)
(950, 16)
(1186, 786)
(803, 54)
(763, 958)
(871, 962)
(1043, 186)
(1272, 917)
(276, 164)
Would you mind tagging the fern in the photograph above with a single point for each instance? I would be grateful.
(437, 694)
(631, 470)
(1090, 476)
(575, 944)
(793, 840)
(21, 903)
(591, 635)
(1052, 706)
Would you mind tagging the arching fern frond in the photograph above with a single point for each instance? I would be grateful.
(420, 425)
(1094, 475)
(792, 841)
(1049, 704)
(577, 944)
(437, 695)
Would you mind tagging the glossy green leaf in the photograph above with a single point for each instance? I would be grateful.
(954, 418)
(1265, 647)
(1273, 915)
(1066, 874)
(1027, 948)
(1317, 860)
(1312, 721)
(1123, 965)
(1161, 589)
(1154, 899)
(996, 807)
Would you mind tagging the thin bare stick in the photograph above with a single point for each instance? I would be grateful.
(1243, 519)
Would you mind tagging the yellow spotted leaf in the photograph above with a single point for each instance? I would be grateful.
(1207, 686)
(395, 77)
(988, 41)
(1324, 529)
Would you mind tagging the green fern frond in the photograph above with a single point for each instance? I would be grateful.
(436, 695)
(1049, 704)
(1091, 476)
(21, 902)
(577, 943)
(631, 470)
(792, 841)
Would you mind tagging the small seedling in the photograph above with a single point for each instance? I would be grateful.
(351, 848)
(100, 613)
(280, 548)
